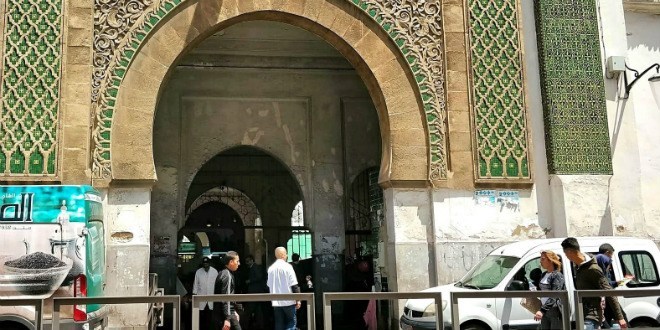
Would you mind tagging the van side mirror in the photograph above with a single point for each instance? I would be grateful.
(516, 285)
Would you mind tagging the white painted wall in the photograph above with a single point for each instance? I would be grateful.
(461, 216)
(624, 193)
(634, 123)
(643, 44)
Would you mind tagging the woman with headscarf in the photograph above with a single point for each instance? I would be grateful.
(553, 279)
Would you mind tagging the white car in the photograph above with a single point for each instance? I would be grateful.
(633, 258)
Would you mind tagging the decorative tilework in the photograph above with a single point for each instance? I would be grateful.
(113, 19)
(498, 92)
(414, 26)
(577, 136)
(32, 49)
(139, 22)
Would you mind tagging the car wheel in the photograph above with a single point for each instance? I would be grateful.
(474, 326)
(643, 324)
(11, 326)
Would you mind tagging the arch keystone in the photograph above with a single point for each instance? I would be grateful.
(313, 9)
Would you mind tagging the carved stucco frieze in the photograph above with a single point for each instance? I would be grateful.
(113, 19)
(121, 31)
(415, 26)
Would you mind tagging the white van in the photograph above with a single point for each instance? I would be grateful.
(633, 258)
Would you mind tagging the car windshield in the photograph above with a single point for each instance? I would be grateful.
(488, 273)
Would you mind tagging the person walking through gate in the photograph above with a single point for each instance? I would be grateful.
(282, 279)
(203, 285)
(304, 279)
(226, 317)
(255, 283)
(588, 276)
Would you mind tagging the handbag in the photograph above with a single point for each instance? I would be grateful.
(533, 305)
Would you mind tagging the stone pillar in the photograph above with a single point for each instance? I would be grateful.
(166, 218)
(127, 253)
(410, 259)
(329, 237)
(580, 205)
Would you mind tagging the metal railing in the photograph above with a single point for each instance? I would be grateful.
(563, 295)
(254, 297)
(328, 298)
(627, 293)
(38, 308)
(59, 302)
(155, 316)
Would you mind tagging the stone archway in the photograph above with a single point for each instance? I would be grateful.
(233, 198)
(410, 154)
(241, 204)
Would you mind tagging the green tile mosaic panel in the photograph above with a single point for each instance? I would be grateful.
(498, 92)
(414, 26)
(577, 136)
(32, 49)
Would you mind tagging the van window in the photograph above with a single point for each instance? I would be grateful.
(531, 273)
(524, 275)
(488, 273)
(639, 267)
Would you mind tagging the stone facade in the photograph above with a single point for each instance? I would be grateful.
(483, 131)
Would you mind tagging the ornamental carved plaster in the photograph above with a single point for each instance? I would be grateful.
(113, 19)
(415, 26)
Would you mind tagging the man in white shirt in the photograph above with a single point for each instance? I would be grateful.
(282, 279)
(204, 285)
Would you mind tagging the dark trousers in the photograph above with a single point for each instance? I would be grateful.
(205, 317)
(219, 322)
(551, 320)
(301, 316)
(285, 317)
(610, 318)
(254, 315)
